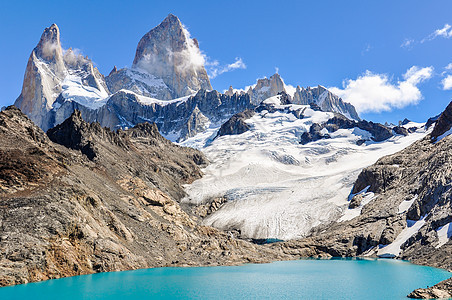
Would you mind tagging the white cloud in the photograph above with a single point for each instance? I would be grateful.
(214, 68)
(445, 32)
(448, 67)
(447, 82)
(372, 92)
(407, 43)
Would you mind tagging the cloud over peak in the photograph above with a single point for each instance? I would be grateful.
(372, 92)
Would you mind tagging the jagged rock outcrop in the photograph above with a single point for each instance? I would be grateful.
(443, 123)
(266, 88)
(378, 131)
(52, 73)
(179, 119)
(236, 124)
(64, 214)
(315, 133)
(320, 96)
(326, 100)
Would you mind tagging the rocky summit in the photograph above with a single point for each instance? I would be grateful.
(84, 199)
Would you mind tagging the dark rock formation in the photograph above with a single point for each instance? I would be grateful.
(64, 214)
(236, 124)
(356, 201)
(379, 132)
(401, 130)
(444, 122)
(314, 134)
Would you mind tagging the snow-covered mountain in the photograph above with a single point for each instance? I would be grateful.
(168, 64)
(277, 187)
(52, 73)
(269, 87)
(167, 84)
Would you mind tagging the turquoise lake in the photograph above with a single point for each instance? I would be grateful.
(301, 279)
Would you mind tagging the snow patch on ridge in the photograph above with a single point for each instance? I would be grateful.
(444, 233)
(393, 250)
(74, 90)
(406, 204)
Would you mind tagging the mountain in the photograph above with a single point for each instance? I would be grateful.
(167, 85)
(84, 199)
(168, 64)
(399, 207)
(52, 73)
(168, 52)
(282, 169)
(327, 101)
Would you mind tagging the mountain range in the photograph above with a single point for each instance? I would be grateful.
(150, 166)
(167, 82)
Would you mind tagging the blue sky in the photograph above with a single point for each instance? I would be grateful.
(367, 45)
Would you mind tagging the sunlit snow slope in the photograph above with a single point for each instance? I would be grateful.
(276, 187)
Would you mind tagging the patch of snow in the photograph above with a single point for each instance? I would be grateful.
(150, 101)
(74, 90)
(406, 204)
(393, 250)
(351, 213)
(143, 76)
(444, 233)
(275, 100)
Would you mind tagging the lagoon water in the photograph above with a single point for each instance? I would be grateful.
(302, 279)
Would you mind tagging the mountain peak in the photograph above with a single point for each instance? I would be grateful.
(172, 19)
(168, 52)
(49, 46)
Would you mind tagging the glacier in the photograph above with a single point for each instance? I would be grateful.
(277, 188)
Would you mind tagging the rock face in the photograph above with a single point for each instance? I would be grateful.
(443, 124)
(67, 212)
(326, 100)
(378, 131)
(179, 119)
(266, 88)
(168, 52)
(50, 74)
(236, 124)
